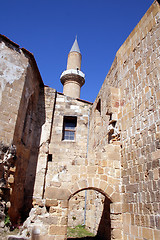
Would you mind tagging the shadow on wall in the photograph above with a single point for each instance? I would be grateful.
(30, 119)
(104, 229)
(32, 165)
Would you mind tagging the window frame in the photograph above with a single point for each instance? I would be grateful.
(69, 129)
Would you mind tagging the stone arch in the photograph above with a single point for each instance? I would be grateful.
(103, 229)
(95, 184)
(111, 193)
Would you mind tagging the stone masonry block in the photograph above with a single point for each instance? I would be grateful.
(55, 193)
(147, 233)
(156, 234)
(116, 207)
(116, 234)
(103, 185)
(50, 220)
(116, 197)
(75, 188)
(109, 190)
(57, 230)
(51, 202)
(83, 184)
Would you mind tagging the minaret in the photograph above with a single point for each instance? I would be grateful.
(72, 78)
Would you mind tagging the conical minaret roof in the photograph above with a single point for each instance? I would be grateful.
(75, 47)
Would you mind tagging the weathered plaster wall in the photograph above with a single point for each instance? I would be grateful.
(12, 78)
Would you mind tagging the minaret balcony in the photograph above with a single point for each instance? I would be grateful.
(74, 75)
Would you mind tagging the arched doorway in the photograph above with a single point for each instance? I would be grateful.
(90, 209)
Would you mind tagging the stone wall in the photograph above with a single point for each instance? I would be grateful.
(133, 114)
(49, 96)
(27, 140)
(19, 95)
(140, 125)
(12, 78)
(68, 157)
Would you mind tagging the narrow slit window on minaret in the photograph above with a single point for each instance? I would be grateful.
(69, 128)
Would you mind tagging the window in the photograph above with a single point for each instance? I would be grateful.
(69, 128)
(98, 107)
(49, 157)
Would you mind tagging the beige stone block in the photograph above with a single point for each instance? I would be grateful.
(91, 169)
(83, 184)
(74, 178)
(57, 230)
(56, 193)
(96, 182)
(126, 228)
(60, 237)
(51, 202)
(109, 191)
(104, 163)
(50, 220)
(75, 188)
(134, 231)
(116, 234)
(147, 233)
(64, 203)
(117, 208)
(103, 185)
(83, 176)
(90, 182)
(100, 170)
(156, 154)
(113, 181)
(116, 224)
(103, 177)
(63, 221)
(116, 164)
(116, 197)
(156, 174)
(156, 234)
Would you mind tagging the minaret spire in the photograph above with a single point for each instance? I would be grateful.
(73, 79)
(75, 47)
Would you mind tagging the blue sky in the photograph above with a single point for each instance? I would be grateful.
(47, 28)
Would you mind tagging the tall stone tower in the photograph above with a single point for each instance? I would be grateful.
(72, 78)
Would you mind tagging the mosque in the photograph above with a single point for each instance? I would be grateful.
(54, 146)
